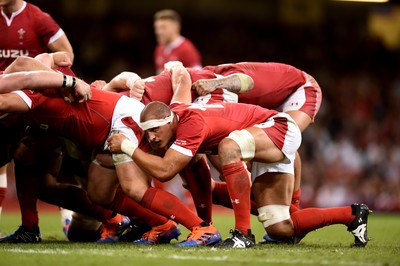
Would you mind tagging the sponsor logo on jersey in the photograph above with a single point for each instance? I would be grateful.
(13, 53)
(180, 142)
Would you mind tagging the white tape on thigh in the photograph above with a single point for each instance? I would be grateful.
(272, 214)
(119, 158)
(246, 142)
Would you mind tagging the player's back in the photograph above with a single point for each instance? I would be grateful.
(213, 122)
(87, 124)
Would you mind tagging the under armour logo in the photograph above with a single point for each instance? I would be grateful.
(172, 217)
(235, 201)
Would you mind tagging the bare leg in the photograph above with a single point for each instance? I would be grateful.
(275, 189)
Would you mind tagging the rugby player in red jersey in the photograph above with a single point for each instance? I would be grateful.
(172, 46)
(26, 30)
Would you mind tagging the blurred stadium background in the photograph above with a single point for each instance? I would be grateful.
(352, 153)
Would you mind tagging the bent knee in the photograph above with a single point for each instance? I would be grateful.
(276, 221)
(228, 150)
(281, 230)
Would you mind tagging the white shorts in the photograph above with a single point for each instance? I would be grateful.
(125, 107)
(291, 142)
(307, 98)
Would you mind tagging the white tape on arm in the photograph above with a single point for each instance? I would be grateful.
(130, 81)
(128, 147)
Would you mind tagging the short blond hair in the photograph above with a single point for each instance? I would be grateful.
(167, 14)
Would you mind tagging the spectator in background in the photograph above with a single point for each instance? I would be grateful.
(26, 30)
(172, 46)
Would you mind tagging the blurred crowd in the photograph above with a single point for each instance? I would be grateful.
(352, 153)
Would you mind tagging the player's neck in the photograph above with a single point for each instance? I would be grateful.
(174, 40)
(12, 7)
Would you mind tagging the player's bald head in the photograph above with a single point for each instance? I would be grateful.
(155, 110)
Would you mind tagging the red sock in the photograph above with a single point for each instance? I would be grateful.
(27, 193)
(198, 178)
(137, 213)
(3, 192)
(239, 187)
(293, 208)
(168, 205)
(296, 198)
(307, 220)
(221, 197)
(29, 214)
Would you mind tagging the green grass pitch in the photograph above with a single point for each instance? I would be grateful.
(326, 246)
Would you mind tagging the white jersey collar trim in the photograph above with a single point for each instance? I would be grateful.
(13, 14)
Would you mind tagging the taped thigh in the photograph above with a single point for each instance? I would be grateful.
(246, 142)
(273, 214)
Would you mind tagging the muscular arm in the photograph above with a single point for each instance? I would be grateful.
(161, 168)
(12, 103)
(181, 84)
(25, 63)
(118, 83)
(127, 81)
(44, 61)
(40, 80)
(62, 44)
(52, 60)
(31, 79)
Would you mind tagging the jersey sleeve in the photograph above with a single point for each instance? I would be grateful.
(47, 28)
(189, 135)
(190, 56)
(33, 99)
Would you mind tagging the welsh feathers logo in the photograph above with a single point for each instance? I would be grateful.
(21, 32)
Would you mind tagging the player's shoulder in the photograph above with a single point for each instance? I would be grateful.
(31, 8)
(35, 11)
(187, 45)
